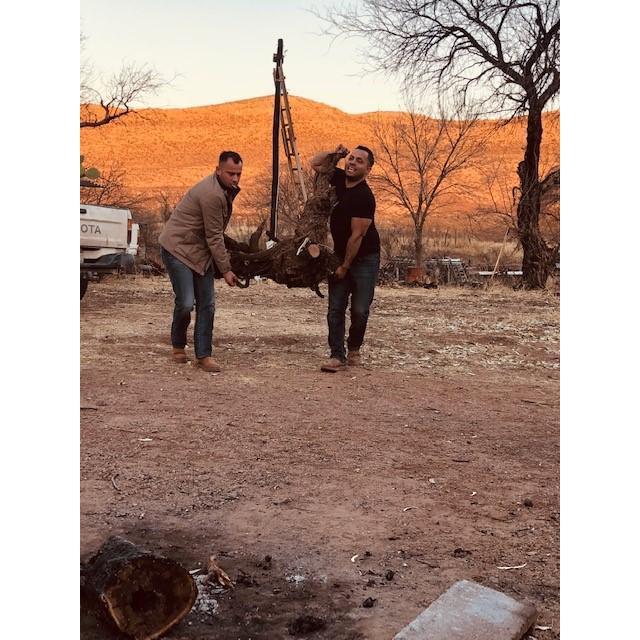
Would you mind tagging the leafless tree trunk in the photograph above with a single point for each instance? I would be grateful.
(502, 56)
(538, 258)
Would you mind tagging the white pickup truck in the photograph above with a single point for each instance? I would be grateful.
(108, 242)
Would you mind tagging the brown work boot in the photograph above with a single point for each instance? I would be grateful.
(179, 355)
(332, 365)
(208, 364)
(354, 359)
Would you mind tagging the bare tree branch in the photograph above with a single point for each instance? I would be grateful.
(119, 96)
(103, 101)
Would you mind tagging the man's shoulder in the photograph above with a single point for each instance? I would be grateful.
(208, 189)
(206, 184)
(366, 190)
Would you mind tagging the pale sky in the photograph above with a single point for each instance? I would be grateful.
(222, 51)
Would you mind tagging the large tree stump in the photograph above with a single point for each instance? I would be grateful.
(143, 594)
(302, 260)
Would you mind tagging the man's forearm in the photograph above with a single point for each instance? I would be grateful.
(318, 161)
(353, 245)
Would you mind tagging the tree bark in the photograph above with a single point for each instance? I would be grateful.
(538, 259)
(418, 245)
(299, 261)
(142, 594)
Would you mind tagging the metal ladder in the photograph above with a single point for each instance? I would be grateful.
(283, 121)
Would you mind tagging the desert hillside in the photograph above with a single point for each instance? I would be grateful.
(167, 150)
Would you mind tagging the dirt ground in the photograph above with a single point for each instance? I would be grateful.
(436, 461)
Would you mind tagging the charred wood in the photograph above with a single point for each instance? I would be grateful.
(142, 594)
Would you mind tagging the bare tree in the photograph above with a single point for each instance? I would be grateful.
(419, 162)
(502, 55)
(105, 100)
(290, 203)
(109, 190)
(152, 217)
(167, 203)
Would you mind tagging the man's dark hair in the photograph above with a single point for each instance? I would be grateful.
(226, 155)
(369, 153)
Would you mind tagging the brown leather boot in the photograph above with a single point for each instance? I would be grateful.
(208, 364)
(354, 359)
(179, 355)
(333, 365)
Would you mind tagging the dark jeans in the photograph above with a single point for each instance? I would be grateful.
(359, 283)
(191, 288)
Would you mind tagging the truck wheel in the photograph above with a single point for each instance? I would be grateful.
(84, 283)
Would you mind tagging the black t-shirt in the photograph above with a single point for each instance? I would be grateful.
(356, 202)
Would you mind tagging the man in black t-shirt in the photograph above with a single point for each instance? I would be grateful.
(357, 243)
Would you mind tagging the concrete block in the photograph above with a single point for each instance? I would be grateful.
(469, 611)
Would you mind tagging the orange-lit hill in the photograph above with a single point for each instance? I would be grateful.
(167, 150)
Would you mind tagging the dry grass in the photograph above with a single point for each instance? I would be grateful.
(477, 252)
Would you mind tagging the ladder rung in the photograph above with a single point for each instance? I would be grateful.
(288, 135)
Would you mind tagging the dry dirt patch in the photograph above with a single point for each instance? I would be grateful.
(418, 463)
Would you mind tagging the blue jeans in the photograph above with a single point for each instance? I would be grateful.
(359, 283)
(191, 288)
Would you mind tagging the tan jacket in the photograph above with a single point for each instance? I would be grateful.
(194, 232)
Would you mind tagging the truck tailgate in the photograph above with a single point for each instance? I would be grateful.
(103, 227)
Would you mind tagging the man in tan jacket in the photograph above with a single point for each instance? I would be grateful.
(192, 249)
